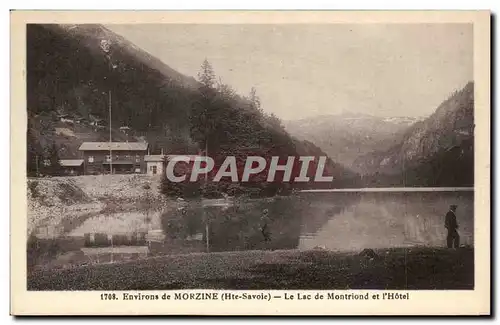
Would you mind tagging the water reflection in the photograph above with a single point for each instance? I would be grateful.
(382, 219)
(333, 221)
(242, 225)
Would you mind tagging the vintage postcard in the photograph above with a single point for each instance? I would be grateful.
(250, 163)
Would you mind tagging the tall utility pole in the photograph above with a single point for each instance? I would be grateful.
(37, 171)
(110, 139)
(404, 170)
(204, 209)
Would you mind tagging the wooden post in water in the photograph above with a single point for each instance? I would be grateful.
(208, 242)
(110, 138)
(112, 249)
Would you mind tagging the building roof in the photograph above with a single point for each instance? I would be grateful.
(154, 157)
(161, 157)
(115, 146)
(191, 157)
(71, 162)
(115, 250)
(118, 162)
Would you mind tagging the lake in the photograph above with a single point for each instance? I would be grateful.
(380, 219)
(339, 221)
(349, 220)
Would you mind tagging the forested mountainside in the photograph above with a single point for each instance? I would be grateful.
(73, 69)
(75, 72)
(438, 151)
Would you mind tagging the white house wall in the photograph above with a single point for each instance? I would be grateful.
(159, 167)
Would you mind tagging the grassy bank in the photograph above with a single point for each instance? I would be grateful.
(415, 268)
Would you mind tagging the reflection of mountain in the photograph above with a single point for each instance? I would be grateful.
(319, 208)
(438, 151)
(390, 219)
(342, 176)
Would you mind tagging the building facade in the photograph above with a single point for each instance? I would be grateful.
(156, 164)
(122, 157)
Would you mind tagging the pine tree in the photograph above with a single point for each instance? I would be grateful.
(206, 76)
(204, 114)
(254, 99)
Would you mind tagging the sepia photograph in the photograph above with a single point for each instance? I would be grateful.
(251, 156)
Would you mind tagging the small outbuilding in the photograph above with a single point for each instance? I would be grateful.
(71, 167)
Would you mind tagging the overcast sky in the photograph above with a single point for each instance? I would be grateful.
(306, 70)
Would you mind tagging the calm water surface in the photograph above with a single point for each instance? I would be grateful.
(338, 221)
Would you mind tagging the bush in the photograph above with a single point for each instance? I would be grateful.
(170, 189)
(212, 190)
(191, 189)
(216, 190)
(182, 189)
(234, 189)
(33, 186)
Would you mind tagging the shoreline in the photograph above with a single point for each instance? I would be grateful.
(416, 268)
(391, 189)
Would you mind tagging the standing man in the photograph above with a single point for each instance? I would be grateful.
(450, 223)
(264, 227)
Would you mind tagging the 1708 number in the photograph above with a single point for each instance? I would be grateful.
(108, 296)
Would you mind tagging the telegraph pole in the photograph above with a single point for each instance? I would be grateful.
(204, 209)
(37, 171)
(110, 139)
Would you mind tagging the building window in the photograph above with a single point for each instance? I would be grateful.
(153, 170)
(137, 158)
(91, 159)
(108, 158)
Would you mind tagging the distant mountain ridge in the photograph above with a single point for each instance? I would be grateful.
(401, 151)
(436, 151)
(347, 136)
